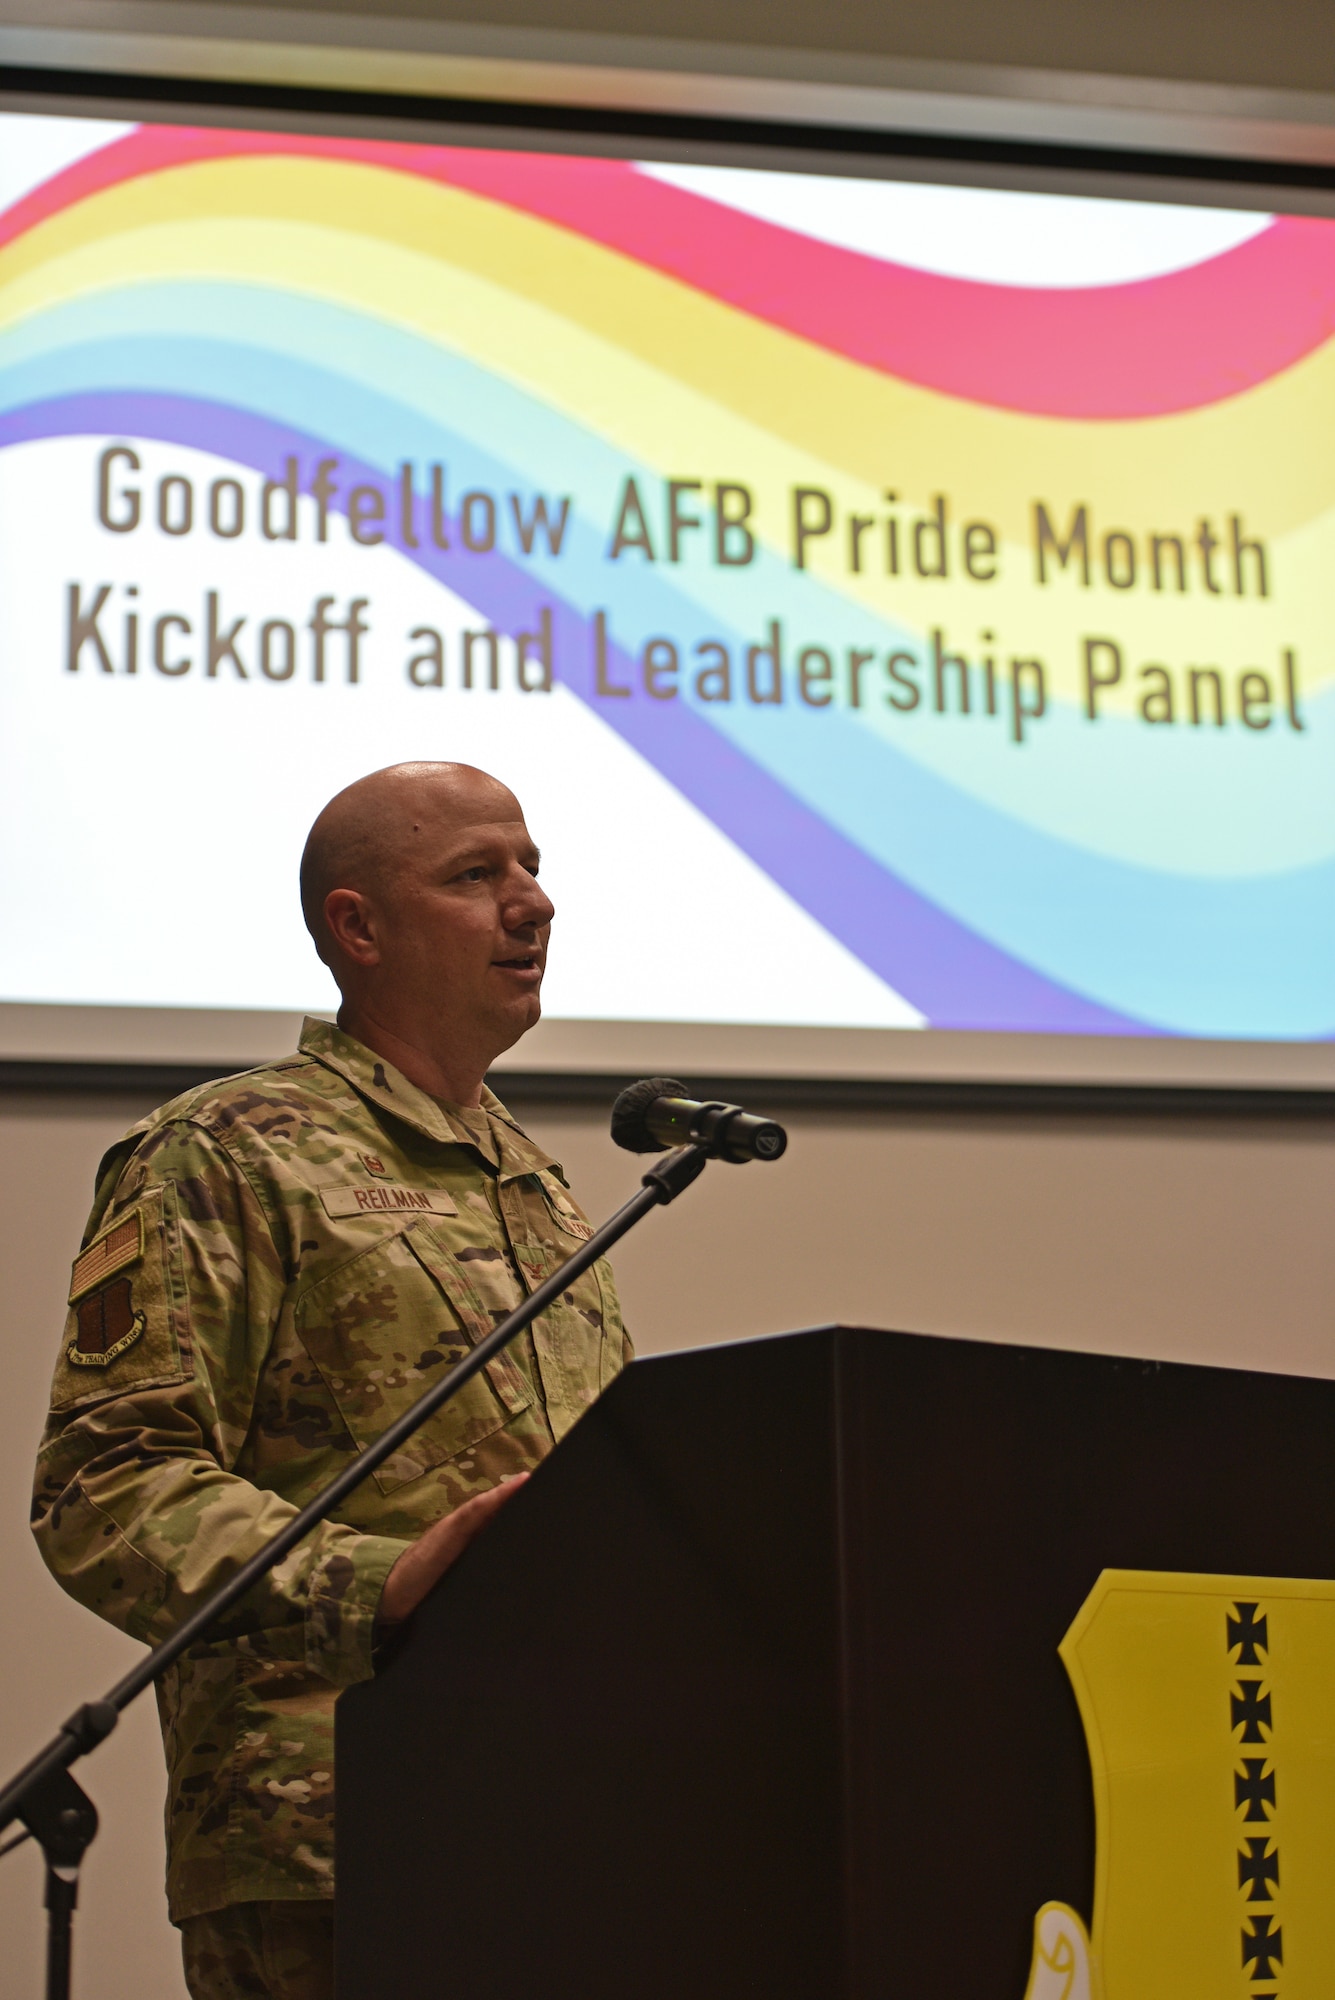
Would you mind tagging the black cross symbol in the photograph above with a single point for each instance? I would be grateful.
(1258, 1868)
(1251, 1708)
(1249, 1632)
(1252, 1790)
(1260, 1945)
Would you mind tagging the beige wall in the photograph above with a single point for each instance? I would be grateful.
(1191, 1241)
(53, 1655)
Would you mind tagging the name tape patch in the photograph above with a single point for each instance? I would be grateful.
(386, 1199)
(120, 1246)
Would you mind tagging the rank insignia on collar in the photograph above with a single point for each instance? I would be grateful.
(107, 1324)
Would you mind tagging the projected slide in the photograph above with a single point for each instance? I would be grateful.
(895, 605)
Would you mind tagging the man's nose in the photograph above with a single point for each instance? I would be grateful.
(530, 908)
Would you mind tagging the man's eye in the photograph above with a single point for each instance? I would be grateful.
(474, 875)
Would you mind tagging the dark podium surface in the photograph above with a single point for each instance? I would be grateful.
(755, 1689)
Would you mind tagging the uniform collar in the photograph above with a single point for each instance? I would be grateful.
(390, 1091)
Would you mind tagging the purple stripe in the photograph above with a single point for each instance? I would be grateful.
(945, 970)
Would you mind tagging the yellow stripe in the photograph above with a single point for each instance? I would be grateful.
(501, 281)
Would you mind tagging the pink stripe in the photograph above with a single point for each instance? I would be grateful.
(1146, 349)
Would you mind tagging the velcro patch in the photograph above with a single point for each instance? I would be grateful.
(107, 1323)
(128, 1305)
(119, 1246)
(387, 1199)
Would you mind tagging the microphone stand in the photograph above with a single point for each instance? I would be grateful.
(43, 1795)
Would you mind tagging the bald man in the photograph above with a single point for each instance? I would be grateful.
(275, 1267)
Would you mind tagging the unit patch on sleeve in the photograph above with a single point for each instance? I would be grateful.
(108, 1324)
(106, 1319)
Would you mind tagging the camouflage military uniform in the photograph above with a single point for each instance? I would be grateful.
(277, 1265)
(261, 1951)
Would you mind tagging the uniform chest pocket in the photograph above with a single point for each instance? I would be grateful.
(382, 1329)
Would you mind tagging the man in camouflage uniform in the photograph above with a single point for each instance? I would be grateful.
(275, 1267)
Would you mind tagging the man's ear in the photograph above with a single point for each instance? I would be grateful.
(351, 925)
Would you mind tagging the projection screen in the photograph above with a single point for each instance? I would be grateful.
(904, 610)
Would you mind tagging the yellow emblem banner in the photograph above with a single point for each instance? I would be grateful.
(1209, 1709)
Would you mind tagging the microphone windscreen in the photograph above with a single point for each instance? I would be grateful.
(629, 1128)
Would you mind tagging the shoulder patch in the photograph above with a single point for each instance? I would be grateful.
(108, 1322)
(114, 1250)
(127, 1306)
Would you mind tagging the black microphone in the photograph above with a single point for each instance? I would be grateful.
(656, 1113)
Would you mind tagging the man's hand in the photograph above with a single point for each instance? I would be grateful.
(420, 1568)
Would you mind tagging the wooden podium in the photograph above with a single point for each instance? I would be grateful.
(755, 1689)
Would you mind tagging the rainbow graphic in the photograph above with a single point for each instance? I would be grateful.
(1109, 805)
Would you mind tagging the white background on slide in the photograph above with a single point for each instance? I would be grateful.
(150, 828)
(33, 149)
(989, 234)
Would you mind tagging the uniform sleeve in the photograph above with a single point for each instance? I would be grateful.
(137, 1509)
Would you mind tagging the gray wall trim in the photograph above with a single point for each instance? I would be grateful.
(388, 54)
(881, 1097)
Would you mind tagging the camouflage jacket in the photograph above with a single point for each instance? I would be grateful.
(277, 1265)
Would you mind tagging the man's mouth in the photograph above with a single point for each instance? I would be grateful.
(527, 961)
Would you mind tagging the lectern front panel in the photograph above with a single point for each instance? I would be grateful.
(757, 1690)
